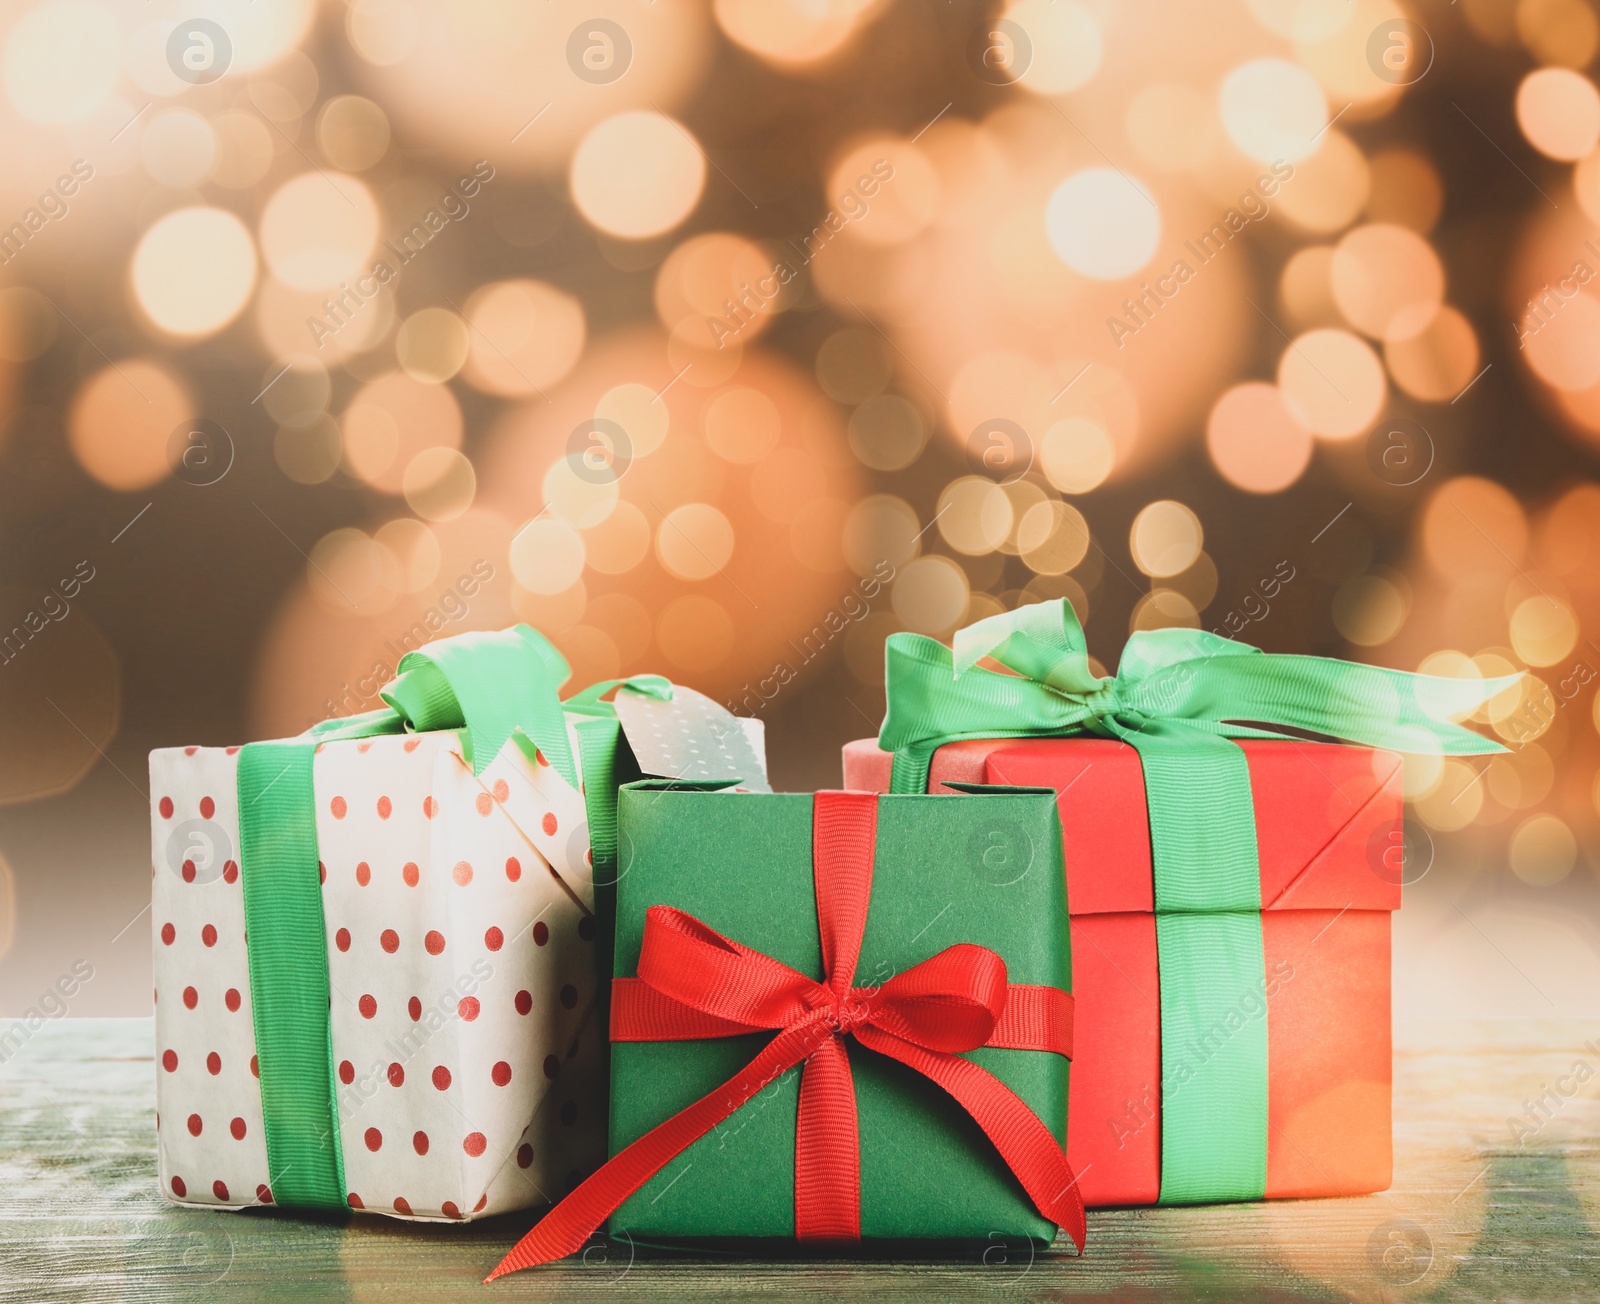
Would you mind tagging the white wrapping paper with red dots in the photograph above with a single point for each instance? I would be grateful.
(461, 959)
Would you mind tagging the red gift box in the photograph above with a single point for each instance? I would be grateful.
(1328, 828)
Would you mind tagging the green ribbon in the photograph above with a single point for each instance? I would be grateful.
(1178, 698)
(493, 687)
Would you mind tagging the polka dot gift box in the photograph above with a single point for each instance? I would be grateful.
(377, 945)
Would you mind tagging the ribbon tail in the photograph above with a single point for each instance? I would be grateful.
(827, 1149)
(565, 1228)
(1026, 1144)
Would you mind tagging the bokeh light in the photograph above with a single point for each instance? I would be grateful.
(390, 421)
(318, 229)
(1103, 224)
(1273, 110)
(1332, 382)
(1559, 112)
(194, 270)
(48, 88)
(1387, 281)
(1255, 441)
(1166, 539)
(122, 420)
(522, 336)
(637, 174)
(1438, 361)
(793, 33)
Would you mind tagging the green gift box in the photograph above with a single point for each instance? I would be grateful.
(835, 1016)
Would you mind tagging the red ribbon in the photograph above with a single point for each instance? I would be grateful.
(694, 983)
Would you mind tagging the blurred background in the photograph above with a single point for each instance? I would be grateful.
(722, 338)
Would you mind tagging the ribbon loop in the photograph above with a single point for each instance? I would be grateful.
(950, 1002)
(697, 966)
(493, 684)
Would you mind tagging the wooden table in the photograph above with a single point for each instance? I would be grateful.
(1480, 1210)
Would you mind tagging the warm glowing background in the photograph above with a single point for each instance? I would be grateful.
(1361, 421)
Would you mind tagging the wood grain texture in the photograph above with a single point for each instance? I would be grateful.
(1484, 1207)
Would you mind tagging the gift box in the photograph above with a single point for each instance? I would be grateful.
(1328, 826)
(378, 947)
(1230, 895)
(834, 1017)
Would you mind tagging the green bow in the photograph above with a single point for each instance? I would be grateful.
(492, 686)
(1179, 697)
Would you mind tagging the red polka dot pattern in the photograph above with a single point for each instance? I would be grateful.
(426, 939)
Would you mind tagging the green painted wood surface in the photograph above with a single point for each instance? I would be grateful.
(1492, 1200)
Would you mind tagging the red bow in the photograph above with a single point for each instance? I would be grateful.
(695, 983)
